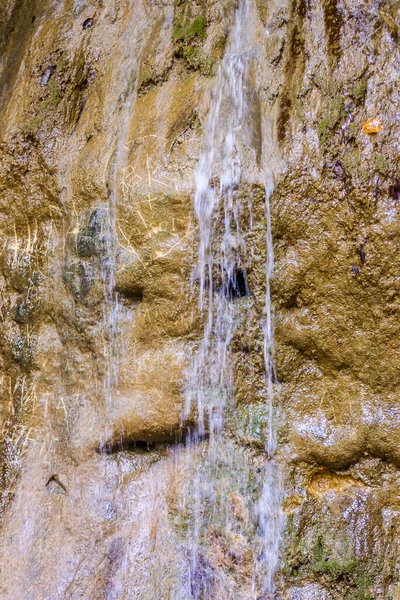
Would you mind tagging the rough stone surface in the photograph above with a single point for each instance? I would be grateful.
(102, 130)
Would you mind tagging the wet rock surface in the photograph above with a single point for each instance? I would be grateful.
(102, 108)
(335, 286)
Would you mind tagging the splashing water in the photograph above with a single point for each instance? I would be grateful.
(221, 277)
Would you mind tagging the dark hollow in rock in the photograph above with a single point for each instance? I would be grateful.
(338, 171)
(394, 190)
(292, 301)
(129, 296)
(237, 286)
(145, 446)
(363, 256)
(122, 445)
(87, 23)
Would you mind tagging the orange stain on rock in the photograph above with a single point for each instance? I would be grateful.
(372, 126)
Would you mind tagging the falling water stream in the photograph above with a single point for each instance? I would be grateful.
(221, 278)
(271, 516)
(114, 166)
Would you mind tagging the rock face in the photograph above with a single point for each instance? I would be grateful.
(103, 106)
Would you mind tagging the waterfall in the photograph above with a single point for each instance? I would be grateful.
(217, 181)
(221, 279)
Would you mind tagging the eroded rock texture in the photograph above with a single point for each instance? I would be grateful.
(336, 287)
(102, 106)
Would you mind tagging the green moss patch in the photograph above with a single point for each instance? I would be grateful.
(190, 29)
(326, 127)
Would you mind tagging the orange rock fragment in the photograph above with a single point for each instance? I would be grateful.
(372, 126)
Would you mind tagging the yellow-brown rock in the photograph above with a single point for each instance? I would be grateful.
(101, 132)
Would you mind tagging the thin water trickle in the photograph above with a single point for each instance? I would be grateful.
(270, 504)
(210, 391)
(109, 259)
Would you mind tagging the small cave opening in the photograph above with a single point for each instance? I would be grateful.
(143, 446)
(129, 296)
(237, 286)
(139, 446)
(182, 438)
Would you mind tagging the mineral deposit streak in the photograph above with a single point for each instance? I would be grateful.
(217, 200)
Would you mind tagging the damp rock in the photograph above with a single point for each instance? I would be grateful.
(355, 270)
(24, 312)
(45, 78)
(22, 351)
(82, 279)
(85, 246)
(89, 240)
